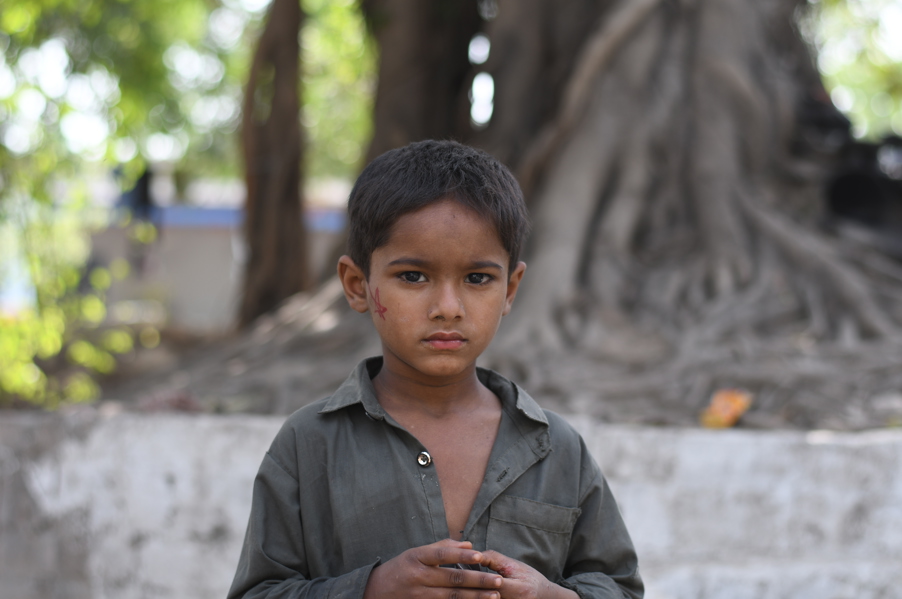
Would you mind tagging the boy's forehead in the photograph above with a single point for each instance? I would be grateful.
(449, 221)
(443, 213)
(444, 210)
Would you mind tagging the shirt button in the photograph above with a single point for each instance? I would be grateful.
(424, 459)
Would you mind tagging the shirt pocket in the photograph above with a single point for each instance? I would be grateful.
(536, 533)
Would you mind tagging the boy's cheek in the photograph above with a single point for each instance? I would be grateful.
(375, 304)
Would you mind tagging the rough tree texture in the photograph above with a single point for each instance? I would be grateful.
(276, 266)
(675, 248)
(676, 198)
(424, 71)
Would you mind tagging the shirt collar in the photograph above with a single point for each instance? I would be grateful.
(358, 388)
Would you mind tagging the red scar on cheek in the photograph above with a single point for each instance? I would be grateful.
(380, 309)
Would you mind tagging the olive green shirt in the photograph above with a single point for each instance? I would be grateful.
(344, 487)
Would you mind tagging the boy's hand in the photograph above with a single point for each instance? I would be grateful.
(522, 581)
(416, 574)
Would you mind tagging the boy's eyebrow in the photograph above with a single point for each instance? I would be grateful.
(408, 262)
(478, 264)
(486, 264)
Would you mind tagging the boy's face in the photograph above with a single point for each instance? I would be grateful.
(437, 290)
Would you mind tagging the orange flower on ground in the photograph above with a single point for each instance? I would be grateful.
(726, 407)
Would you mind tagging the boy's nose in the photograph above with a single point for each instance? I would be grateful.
(446, 304)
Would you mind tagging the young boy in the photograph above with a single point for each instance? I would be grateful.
(423, 475)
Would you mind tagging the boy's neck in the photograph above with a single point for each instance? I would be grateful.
(436, 398)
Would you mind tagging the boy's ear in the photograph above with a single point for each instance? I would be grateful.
(354, 283)
(513, 283)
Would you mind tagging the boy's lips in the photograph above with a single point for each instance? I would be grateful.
(443, 340)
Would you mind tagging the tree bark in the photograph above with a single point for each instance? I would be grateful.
(424, 70)
(276, 266)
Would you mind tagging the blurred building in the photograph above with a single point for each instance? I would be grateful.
(185, 260)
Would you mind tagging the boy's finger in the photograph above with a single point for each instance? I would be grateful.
(463, 594)
(442, 554)
(499, 563)
(469, 579)
(453, 543)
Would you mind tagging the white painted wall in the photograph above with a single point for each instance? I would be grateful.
(161, 503)
(166, 497)
(755, 515)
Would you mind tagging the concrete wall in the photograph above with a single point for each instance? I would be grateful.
(193, 271)
(755, 515)
(128, 506)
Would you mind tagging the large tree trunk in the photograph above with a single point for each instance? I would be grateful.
(276, 266)
(424, 70)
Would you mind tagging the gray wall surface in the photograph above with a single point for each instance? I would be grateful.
(154, 506)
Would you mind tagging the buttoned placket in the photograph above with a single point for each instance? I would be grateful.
(522, 441)
(422, 466)
(515, 450)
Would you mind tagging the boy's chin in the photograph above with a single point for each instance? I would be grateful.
(438, 367)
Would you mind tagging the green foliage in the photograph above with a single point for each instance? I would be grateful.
(859, 46)
(84, 85)
(339, 79)
(89, 84)
(49, 349)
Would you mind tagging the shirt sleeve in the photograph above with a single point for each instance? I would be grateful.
(273, 560)
(602, 562)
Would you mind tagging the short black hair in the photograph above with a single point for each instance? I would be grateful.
(406, 179)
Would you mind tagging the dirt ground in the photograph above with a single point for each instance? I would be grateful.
(296, 357)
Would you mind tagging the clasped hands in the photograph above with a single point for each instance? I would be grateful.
(417, 574)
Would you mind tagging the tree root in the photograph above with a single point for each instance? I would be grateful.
(599, 50)
(810, 252)
(794, 385)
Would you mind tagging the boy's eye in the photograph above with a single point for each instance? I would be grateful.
(478, 278)
(412, 276)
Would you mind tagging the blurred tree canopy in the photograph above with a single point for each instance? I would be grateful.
(105, 82)
(339, 71)
(859, 45)
(83, 84)
(89, 85)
